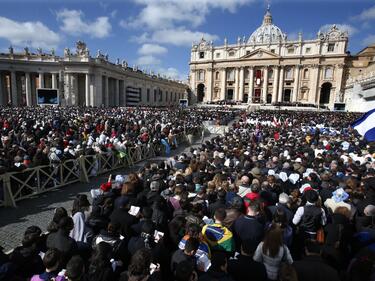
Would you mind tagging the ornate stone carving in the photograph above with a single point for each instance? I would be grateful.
(334, 33)
(81, 49)
(124, 64)
(66, 52)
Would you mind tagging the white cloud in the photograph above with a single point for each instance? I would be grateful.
(152, 49)
(172, 73)
(147, 61)
(73, 22)
(178, 37)
(369, 40)
(344, 27)
(366, 15)
(32, 34)
(158, 14)
(113, 14)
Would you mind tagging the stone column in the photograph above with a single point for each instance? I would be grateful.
(87, 90)
(192, 85)
(338, 74)
(41, 80)
(223, 84)
(208, 96)
(2, 92)
(13, 84)
(241, 88)
(67, 90)
(314, 94)
(124, 95)
(29, 100)
(275, 83)
(251, 84)
(297, 69)
(74, 89)
(97, 95)
(54, 80)
(265, 84)
(236, 83)
(281, 85)
(106, 92)
(117, 93)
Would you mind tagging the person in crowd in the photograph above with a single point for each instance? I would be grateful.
(218, 236)
(80, 207)
(242, 264)
(272, 252)
(228, 209)
(75, 270)
(61, 240)
(312, 267)
(251, 226)
(310, 217)
(187, 254)
(218, 269)
(51, 262)
(100, 268)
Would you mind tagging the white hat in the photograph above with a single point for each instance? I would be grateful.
(283, 176)
(119, 179)
(293, 178)
(284, 198)
(298, 160)
(271, 172)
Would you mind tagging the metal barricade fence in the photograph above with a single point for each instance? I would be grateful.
(15, 186)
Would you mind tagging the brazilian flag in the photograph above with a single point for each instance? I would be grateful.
(218, 237)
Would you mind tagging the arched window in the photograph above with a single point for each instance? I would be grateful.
(306, 73)
(328, 73)
(217, 75)
(231, 53)
(288, 73)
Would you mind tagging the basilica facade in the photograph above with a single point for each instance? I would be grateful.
(268, 68)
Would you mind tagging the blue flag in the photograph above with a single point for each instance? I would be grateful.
(365, 125)
(167, 147)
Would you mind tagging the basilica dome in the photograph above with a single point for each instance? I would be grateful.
(267, 32)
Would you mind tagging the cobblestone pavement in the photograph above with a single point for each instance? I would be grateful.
(39, 210)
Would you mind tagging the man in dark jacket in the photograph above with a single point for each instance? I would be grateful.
(188, 254)
(240, 267)
(122, 217)
(61, 241)
(312, 267)
(218, 269)
(249, 227)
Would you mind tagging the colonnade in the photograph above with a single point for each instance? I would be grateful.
(272, 82)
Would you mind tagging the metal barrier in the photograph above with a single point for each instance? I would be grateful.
(17, 186)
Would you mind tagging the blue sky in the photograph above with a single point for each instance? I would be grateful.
(157, 34)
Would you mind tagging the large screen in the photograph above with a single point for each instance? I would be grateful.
(338, 106)
(47, 96)
(184, 103)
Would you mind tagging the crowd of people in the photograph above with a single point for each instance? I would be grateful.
(35, 136)
(281, 196)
